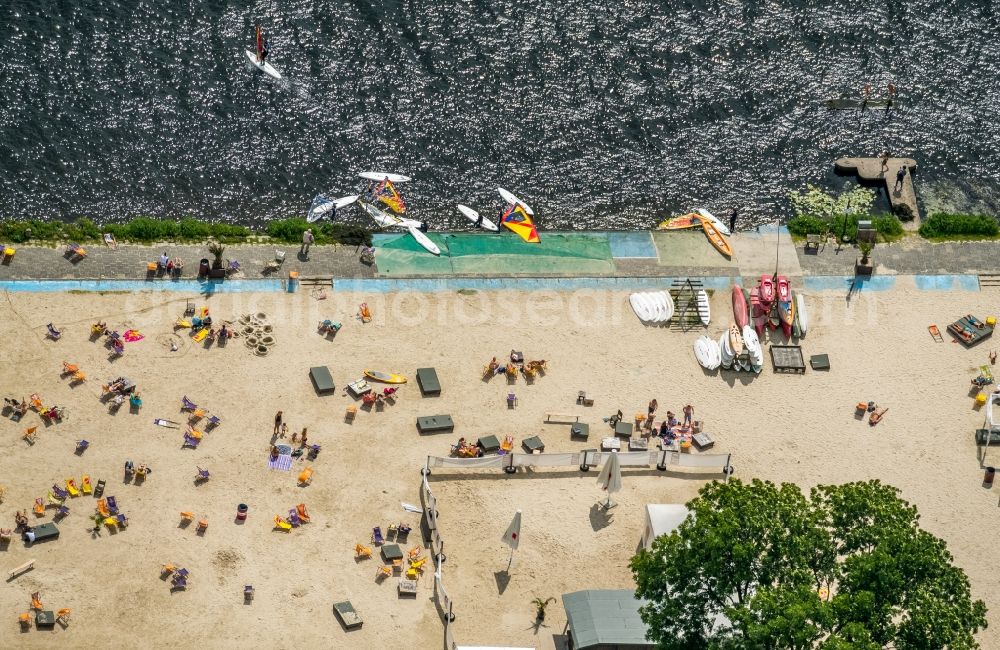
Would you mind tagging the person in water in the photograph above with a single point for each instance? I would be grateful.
(265, 49)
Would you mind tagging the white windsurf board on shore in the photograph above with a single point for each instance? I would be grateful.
(721, 227)
(382, 176)
(474, 217)
(424, 240)
(513, 200)
(265, 67)
(322, 204)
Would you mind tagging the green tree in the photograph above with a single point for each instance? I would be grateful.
(814, 202)
(763, 566)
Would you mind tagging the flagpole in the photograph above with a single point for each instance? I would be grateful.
(510, 561)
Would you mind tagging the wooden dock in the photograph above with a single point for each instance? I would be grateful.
(870, 169)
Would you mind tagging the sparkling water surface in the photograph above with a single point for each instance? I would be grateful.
(600, 115)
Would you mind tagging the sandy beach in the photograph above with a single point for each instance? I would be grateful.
(791, 428)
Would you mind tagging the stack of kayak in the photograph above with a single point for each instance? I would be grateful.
(652, 306)
(773, 304)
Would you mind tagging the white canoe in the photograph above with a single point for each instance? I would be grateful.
(726, 353)
(381, 176)
(474, 217)
(704, 311)
(752, 344)
(800, 313)
(641, 307)
(721, 227)
(707, 352)
(513, 200)
(424, 240)
(266, 68)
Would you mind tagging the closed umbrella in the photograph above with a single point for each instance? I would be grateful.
(610, 478)
(513, 536)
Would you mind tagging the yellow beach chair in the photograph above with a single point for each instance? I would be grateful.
(411, 574)
(63, 615)
(71, 487)
(185, 516)
(110, 522)
(168, 569)
(85, 485)
(281, 524)
(305, 477)
(24, 619)
(39, 507)
(53, 499)
(418, 565)
(384, 571)
(200, 336)
(360, 551)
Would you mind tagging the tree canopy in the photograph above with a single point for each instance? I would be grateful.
(762, 566)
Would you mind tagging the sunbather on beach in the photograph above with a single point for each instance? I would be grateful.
(274, 452)
(688, 413)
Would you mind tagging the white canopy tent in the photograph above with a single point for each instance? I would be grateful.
(662, 519)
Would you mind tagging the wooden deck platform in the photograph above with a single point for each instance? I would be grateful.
(870, 169)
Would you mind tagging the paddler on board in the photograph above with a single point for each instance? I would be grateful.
(263, 46)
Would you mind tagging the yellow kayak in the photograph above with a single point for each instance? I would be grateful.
(385, 377)
(690, 220)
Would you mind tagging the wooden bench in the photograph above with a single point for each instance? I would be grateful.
(561, 417)
(18, 570)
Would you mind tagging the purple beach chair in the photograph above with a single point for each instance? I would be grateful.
(112, 505)
(190, 441)
(187, 405)
(59, 492)
(377, 536)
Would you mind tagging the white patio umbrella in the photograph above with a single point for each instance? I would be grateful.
(610, 478)
(513, 536)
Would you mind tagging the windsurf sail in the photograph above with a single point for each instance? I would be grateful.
(517, 220)
(387, 193)
(260, 43)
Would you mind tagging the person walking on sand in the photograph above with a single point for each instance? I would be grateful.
(277, 422)
(305, 439)
(688, 413)
(732, 219)
(900, 175)
(307, 240)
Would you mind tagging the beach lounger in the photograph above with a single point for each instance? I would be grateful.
(876, 416)
(122, 520)
(213, 422)
(99, 490)
(135, 402)
(428, 380)
(179, 582)
(36, 601)
(70, 368)
(41, 533)
(362, 551)
(71, 487)
(112, 505)
(377, 538)
(75, 251)
(305, 477)
(39, 507)
(301, 511)
(187, 405)
(102, 508)
(203, 475)
(819, 362)
(511, 400)
(200, 335)
(322, 379)
(54, 500)
(190, 441)
(347, 615)
(81, 445)
(62, 511)
(29, 435)
(59, 492)
(281, 524)
(187, 516)
(935, 333)
(433, 423)
(85, 485)
(110, 522)
(6, 534)
(248, 592)
(365, 313)
(293, 518)
(202, 525)
(53, 334)
(63, 615)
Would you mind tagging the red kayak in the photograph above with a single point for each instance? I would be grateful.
(759, 313)
(740, 307)
(784, 290)
(766, 291)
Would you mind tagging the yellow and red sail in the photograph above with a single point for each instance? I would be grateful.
(389, 195)
(517, 220)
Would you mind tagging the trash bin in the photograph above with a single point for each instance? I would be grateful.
(241, 512)
(203, 268)
(988, 478)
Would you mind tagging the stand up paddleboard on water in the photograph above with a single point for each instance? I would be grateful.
(476, 218)
(383, 176)
(259, 59)
(322, 205)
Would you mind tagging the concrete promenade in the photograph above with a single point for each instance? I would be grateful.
(679, 254)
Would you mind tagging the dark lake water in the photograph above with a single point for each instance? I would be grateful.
(601, 115)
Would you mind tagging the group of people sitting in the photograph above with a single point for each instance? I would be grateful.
(168, 265)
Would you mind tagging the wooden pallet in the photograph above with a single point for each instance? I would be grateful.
(989, 280)
(685, 295)
(316, 281)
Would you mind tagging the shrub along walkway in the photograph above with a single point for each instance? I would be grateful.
(129, 262)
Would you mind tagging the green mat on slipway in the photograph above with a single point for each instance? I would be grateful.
(495, 255)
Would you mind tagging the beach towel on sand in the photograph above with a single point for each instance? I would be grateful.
(131, 336)
(282, 463)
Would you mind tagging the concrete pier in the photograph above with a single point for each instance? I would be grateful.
(870, 169)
